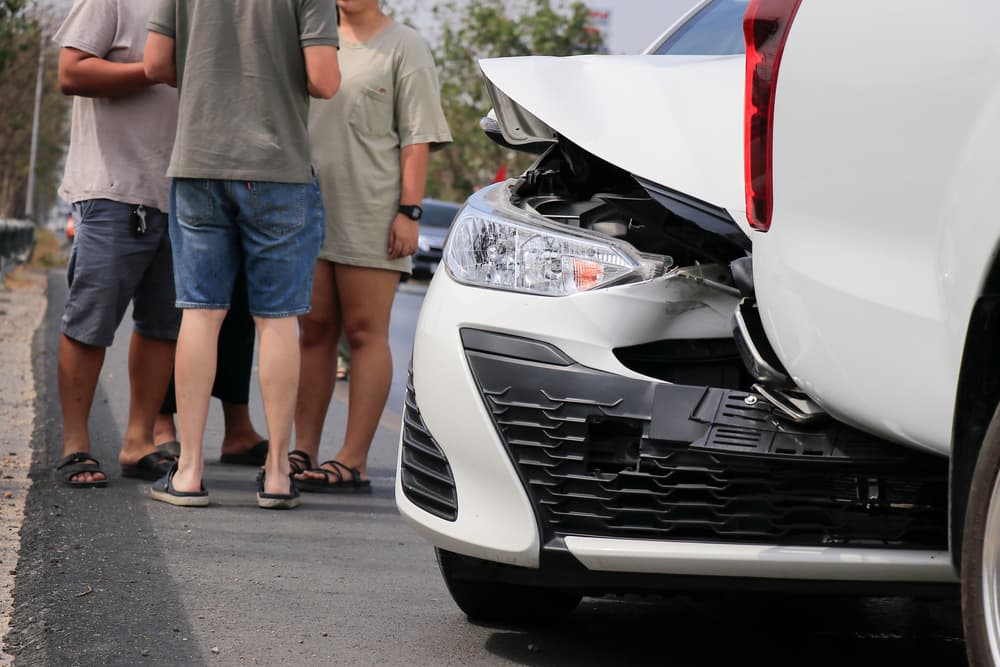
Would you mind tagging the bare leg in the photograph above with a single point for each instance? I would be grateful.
(194, 375)
(79, 369)
(164, 429)
(279, 380)
(240, 434)
(366, 297)
(150, 362)
(318, 336)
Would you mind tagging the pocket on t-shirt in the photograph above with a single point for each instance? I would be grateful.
(372, 112)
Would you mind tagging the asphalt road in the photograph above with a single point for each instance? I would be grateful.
(108, 577)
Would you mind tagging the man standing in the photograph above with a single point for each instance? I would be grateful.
(243, 192)
(122, 131)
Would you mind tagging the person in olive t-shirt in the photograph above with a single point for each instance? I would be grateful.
(242, 192)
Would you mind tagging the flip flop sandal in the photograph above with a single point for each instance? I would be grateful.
(77, 463)
(276, 501)
(299, 461)
(150, 467)
(255, 456)
(339, 483)
(164, 491)
(170, 448)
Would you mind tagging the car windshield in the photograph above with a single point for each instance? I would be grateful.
(716, 30)
(438, 215)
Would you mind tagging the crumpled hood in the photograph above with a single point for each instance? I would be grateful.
(673, 120)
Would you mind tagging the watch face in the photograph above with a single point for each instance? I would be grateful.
(412, 212)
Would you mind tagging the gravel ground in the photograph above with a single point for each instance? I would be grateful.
(22, 305)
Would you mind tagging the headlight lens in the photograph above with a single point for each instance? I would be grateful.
(491, 251)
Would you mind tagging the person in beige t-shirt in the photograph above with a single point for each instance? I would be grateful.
(370, 146)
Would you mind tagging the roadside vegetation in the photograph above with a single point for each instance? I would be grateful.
(25, 29)
(461, 32)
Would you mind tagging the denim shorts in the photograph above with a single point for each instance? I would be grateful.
(109, 266)
(274, 230)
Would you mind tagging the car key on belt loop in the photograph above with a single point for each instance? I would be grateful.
(138, 221)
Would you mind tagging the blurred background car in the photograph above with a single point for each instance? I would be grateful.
(434, 226)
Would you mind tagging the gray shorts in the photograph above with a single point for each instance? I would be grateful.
(109, 266)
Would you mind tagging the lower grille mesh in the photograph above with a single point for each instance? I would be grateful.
(425, 473)
(581, 442)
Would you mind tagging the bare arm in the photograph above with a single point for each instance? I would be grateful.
(158, 59)
(322, 70)
(404, 232)
(86, 75)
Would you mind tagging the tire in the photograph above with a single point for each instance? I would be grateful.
(502, 603)
(981, 555)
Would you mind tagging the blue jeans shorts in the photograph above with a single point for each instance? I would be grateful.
(109, 267)
(274, 230)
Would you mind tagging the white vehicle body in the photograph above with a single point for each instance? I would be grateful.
(913, 223)
(881, 252)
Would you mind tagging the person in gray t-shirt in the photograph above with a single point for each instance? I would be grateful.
(122, 131)
(243, 192)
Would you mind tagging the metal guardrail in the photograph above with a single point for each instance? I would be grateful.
(17, 241)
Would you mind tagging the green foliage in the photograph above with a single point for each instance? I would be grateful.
(22, 28)
(13, 22)
(463, 32)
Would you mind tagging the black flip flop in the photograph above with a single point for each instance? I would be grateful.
(77, 463)
(164, 491)
(277, 501)
(338, 485)
(255, 456)
(150, 467)
(170, 448)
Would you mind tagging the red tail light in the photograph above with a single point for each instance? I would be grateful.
(765, 29)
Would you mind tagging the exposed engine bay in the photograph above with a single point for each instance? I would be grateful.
(571, 186)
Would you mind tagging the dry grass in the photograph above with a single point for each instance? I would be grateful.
(49, 252)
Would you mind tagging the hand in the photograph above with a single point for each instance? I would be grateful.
(403, 237)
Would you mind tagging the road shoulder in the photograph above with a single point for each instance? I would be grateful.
(22, 307)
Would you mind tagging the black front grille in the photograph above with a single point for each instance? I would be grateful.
(426, 475)
(596, 462)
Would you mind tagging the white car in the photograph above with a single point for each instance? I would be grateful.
(621, 384)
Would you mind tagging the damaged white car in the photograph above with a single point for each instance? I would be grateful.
(594, 405)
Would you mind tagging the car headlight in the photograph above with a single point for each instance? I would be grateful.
(498, 252)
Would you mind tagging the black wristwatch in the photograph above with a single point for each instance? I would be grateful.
(412, 212)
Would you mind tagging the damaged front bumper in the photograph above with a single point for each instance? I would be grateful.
(614, 433)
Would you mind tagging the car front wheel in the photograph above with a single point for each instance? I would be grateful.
(981, 554)
(498, 602)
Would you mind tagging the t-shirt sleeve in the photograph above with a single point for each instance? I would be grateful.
(318, 23)
(419, 116)
(90, 26)
(163, 18)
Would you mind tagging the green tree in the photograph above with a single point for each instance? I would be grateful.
(22, 26)
(461, 33)
(13, 20)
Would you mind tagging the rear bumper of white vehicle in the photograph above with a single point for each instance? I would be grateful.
(474, 440)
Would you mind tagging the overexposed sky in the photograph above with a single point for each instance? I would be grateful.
(634, 24)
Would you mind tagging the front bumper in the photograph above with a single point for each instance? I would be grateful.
(557, 450)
